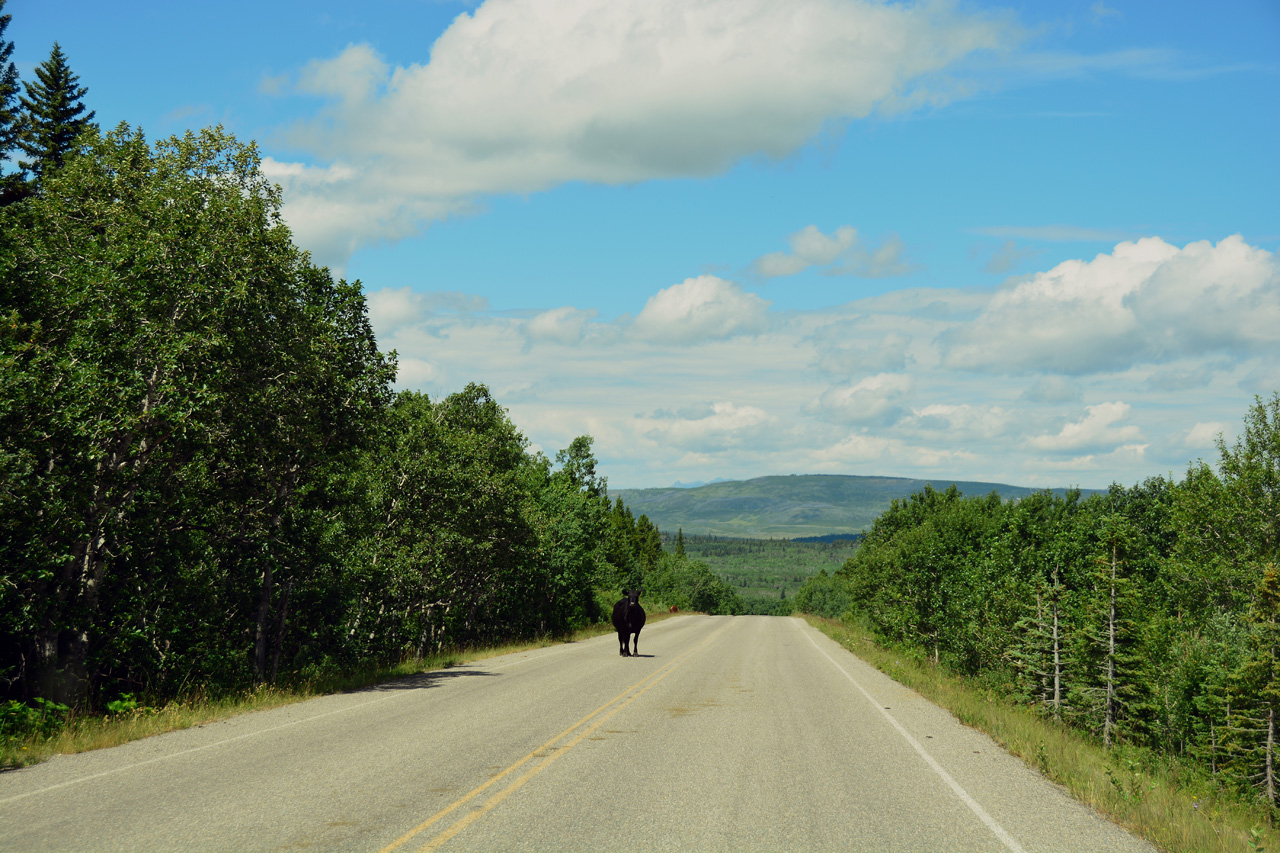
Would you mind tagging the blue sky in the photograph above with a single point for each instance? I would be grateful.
(1031, 243)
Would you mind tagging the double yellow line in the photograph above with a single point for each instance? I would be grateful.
(558, 746)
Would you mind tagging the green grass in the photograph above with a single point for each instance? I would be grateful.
(1171, 804)
(84, 733)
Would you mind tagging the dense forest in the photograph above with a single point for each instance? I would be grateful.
(765, 573)
(207, 480)
(1149, 615)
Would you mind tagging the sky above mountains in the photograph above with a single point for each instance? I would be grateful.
(1031, 243)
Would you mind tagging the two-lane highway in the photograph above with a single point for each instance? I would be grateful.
(743, 733)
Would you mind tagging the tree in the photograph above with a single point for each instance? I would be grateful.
(1229, 521)
(175, 374)
(10, 125)
(1257, 693)
(579, 465)
(1117, 537)
(822, 595)
(55, 115)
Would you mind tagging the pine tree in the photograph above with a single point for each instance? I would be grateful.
(54, 115)
(9, 115)
(1106, 659)
(1037, 655)
(1257, 693)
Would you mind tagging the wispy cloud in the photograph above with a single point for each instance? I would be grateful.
(841, 253)
(1101, 11)
(1054, 233)
(1007, 257)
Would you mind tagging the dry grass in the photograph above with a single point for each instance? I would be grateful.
(85, 733)
(1168, 803)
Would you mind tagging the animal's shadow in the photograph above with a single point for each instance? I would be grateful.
(425, 679)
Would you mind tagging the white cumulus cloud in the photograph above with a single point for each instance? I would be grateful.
(560, 325)
(1099, 428)
(700, 309)
(1144, 302)
(522, 95)
(1204, 435)
(876, 399)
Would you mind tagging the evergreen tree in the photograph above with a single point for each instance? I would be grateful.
(1257, 694)
(55, 115)
(9, 115)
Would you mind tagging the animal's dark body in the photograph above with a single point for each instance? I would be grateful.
(628, 619)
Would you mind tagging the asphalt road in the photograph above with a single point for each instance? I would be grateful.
(742, 733)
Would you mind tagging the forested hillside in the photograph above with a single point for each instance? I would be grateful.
(766, 573)
(791, 507)
(1149, 615)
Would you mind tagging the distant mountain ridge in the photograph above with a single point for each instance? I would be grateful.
(792, 506)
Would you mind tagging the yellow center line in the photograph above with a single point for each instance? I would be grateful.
(640, 687)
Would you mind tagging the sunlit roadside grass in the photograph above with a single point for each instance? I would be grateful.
(84, 733)
(1171, 804)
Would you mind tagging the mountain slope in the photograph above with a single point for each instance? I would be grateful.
(787, 507)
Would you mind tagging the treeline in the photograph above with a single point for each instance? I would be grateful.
(206, 479)
(1148, 615)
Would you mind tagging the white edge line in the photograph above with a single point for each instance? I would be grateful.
(969, 801)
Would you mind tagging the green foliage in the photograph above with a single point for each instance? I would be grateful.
(691, 585)
(823, 595)
(41, 718)
(1146, 616)
(766, 571)
(1252, 733)
(10, 118)
(178, 382)
(126, 703)
(466, 538)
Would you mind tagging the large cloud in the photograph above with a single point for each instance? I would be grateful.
(1145, 302)
(522, 95)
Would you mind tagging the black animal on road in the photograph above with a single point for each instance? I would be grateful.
(628, 619)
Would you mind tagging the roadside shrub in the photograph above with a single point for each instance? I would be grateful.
(42, 718)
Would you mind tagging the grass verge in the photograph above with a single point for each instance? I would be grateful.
(1171, 804)
(84, 733)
